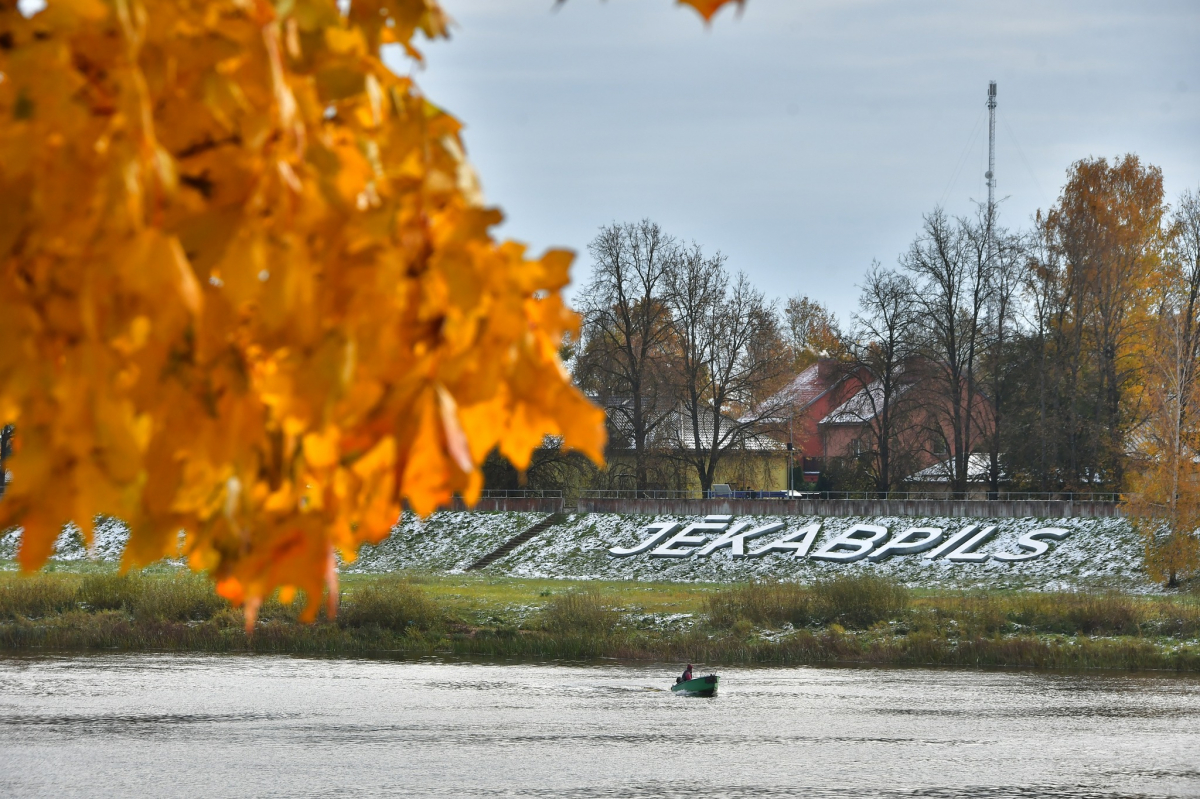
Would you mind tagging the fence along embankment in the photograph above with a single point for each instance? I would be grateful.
(510, 504)
(970, 508)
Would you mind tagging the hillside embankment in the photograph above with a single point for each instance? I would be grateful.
(657, 588)
(1090, 553)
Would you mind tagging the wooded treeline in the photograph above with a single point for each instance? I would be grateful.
(1079, 335)
(1035, 349)
(687, 357)
(1058, 356)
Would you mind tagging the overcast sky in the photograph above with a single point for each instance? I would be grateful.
(801, 138)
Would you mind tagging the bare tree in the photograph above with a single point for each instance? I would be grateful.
(730, 362)
(1033, 438)
(1006, 256)
(627, 329)
(881, 352)
(1183, 263)
(950, 264)
(812, 331)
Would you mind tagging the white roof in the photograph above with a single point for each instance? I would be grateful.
(675, 432)
(978, 466)
(862, 405)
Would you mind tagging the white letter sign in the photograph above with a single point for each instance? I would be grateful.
(735, 538)
(967, 554)
(914, 539)
(1032, 541)
(670, 539)
(658, 531)
(671, 549)
(951, 542)
(857, 546)
(789, 543)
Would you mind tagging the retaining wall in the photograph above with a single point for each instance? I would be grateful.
(1006, 509)
(518, 504)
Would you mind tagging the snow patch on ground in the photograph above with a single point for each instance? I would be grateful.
(108, 542)
(1097, 553)
(447, 541)
(1101, 553)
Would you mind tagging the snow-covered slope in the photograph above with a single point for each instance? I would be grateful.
(108, 543)
(1104, 553)
(1095, 552)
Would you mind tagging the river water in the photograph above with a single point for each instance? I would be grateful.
(157, 725)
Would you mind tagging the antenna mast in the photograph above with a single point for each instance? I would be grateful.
(991, 172)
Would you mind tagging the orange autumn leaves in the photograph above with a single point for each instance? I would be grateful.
(707, 8)
(248, 289)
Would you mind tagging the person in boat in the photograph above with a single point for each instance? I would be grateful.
(687, 673)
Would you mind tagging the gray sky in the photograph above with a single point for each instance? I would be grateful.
(804, 138)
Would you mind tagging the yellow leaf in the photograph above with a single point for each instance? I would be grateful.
(248, 288)
(321, 450)
(456, 440)
(707, 8)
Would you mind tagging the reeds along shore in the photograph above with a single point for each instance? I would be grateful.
(850, 620)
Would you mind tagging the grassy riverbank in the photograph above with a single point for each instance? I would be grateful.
(850, 620)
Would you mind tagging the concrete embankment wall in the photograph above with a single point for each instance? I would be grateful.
(960, 508)
(513, 505)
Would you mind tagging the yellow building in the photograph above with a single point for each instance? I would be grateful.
(746, 459)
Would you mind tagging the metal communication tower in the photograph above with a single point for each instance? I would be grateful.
(991, 172)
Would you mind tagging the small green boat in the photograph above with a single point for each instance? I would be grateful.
(697, 686)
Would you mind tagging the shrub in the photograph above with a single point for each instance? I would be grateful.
(1070, 614)
(859, 601)
(977, 615)
(761, 603)
(394, 605)
(180, 596)
(1107, 614)
(110, 591)
(579, 612)
(1178, 619)
(36, 595)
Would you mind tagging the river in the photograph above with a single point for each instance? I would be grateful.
(190, 726)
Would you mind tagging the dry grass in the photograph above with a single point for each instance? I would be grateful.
(586, 612)
(855, 602)
(859, 619)
(765, 604)
(391, 604)
(182, 596)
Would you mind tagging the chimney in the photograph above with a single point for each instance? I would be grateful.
(826, 369)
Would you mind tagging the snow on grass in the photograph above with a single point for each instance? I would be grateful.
(1097, 553)
(1103, 552)
(108, 542)
(446, 541)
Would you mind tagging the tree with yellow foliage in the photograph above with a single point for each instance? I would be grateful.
(1167, 503)
(248, 288)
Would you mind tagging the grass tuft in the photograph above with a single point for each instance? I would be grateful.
(856, 602)
(766, 604)
(394, 605)
(587, 611)
(36, 595)
(861, 619)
